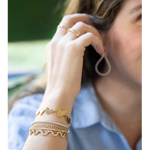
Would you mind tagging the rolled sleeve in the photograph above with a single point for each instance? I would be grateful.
(20, 118)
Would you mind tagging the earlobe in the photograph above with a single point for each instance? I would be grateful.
(106, 52)
(103, 37)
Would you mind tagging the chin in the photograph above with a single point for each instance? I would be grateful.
(134, 72)
(136, 77)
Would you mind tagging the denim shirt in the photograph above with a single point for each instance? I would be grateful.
(92, 128)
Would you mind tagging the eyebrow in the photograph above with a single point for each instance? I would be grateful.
(135, 9)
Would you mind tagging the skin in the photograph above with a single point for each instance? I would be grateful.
(120, 91)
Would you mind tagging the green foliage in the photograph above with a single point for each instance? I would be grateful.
(33, 19)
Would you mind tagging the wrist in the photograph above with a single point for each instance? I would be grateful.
(58, 95)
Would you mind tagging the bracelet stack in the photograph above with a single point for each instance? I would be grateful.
(46, 127)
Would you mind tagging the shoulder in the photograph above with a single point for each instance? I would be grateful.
(29, 102)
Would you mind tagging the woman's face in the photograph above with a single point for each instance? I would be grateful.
(123, 42)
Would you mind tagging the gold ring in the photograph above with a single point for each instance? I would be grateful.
(62, 26)
(77, 33)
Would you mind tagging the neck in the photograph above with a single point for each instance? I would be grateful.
(120, 98)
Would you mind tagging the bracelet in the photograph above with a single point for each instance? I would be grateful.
(62, 133)
(39, 126)
(50, 111)
(50, 129)
(68, 127)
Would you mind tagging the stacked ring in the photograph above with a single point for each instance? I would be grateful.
(77, 33)
(62, 26)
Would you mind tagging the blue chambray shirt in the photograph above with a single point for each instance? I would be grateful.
(92, 128)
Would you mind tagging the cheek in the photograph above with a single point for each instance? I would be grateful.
(125, 46)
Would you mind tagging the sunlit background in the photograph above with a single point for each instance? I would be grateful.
(31, 25)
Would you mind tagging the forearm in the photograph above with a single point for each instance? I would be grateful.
(49, 141)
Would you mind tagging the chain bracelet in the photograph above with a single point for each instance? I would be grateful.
(50, 122)
(47, 126)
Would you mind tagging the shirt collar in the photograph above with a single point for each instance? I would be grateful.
(88, 111)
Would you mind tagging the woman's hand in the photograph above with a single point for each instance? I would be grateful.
(65, 54)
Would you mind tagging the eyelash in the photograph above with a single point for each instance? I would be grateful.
(141, 17)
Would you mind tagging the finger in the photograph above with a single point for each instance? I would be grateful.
(82, 28)
(90, 39)
(70, 20)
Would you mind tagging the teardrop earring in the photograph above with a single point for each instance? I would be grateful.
(98, 62)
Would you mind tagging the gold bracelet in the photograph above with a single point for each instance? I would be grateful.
(62, 133)
(50, 111)
(38, 126)
(51, 122)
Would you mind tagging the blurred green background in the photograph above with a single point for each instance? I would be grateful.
(33, 20)
(31, 25)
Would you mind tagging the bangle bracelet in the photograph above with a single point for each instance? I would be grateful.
(68, 127)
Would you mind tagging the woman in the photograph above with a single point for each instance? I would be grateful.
(103, 100)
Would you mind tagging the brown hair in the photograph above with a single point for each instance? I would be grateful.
(102, 13)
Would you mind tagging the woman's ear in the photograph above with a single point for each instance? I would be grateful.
(103, 37)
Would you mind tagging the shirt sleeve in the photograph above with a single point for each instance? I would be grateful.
(20, 118)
